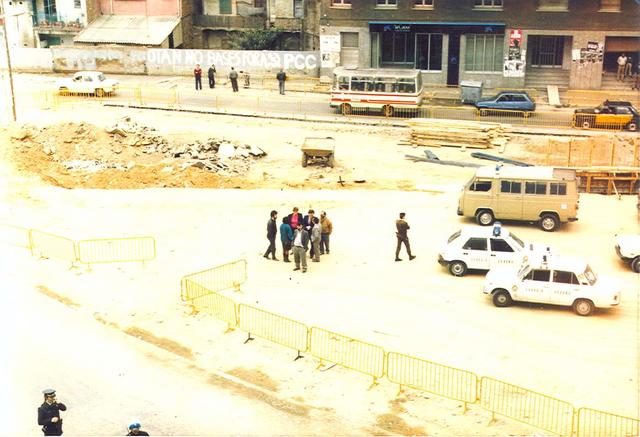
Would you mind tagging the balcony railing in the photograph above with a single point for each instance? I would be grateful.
(57, 22)
(229, 21)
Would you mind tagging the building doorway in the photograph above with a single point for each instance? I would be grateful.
(453, 60)
(614, 46)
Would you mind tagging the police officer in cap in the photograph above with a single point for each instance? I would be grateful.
(49, 413)
(134, 429)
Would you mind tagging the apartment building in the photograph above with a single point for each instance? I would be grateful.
(504, 43)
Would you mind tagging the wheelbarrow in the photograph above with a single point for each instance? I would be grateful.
(318, 149)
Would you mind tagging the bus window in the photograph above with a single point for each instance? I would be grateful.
(357, 84)
(406, 85)
(384, 84)
(343, 83)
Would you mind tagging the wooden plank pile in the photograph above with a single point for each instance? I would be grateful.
(457, 133)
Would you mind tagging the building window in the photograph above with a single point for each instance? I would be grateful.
(77, 4)
(609, 5)
(298, 9)
(488, 4)
(429, 51)
(341, 3)
(423, 4)
(258, 3)
(546, 51)
(484, 52)
(553, 5)
(386, 3)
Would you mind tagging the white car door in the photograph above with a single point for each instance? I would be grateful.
(501, 253)
(565, 288)
(475, 253)
(534, 287)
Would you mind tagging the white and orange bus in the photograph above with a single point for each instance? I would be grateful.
(379, 89)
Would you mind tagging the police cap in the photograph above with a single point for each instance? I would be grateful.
(49, 392)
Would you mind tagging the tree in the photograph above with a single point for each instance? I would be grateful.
(257, 39)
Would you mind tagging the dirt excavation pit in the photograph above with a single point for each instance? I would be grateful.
(126, 155)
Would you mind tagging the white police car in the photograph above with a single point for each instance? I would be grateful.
(554, 280)
(482, 248)
(628, 249)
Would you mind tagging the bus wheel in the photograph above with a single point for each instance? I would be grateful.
(387, 111)
(346, 109)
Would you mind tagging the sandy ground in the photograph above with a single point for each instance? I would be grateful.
(413, 307)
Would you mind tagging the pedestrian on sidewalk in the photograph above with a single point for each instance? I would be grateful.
(326, 228)
(197, 73)
(134, 429)
(286, 236)
(401, 233)
(272, 230)
(300, 245)
(628, 67)
(636, 77)
(233, 77)
(281, 76)
(212, 76)
(49, 413)
(246, 79)
(622, 65)
(315, 239)
(308, 226)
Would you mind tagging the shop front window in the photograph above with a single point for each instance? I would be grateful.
(429, 51)
(397, 49)
(484, 52)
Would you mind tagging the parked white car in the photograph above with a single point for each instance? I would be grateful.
(555, 280)
(87, 82)
(482, 248)
(628, 248)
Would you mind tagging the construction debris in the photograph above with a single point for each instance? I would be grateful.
(457, 133)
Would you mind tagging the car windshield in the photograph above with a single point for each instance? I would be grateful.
(454, 236)
(588, 275)
(101, 77)
(517, 240)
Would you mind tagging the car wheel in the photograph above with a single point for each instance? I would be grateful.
(483, 112)
(583, 307)
(586, 124)
(548, 222)
(484, 217)
(457, 268)
(635, 264)
(632, 126)
(501, 298)
(346, 109)
(99, 92)
(387, 111)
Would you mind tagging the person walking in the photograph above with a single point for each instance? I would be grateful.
(294, 218)
(308, 226)
(281, 76)
(326, 228)
(622, 65)
(272, 230)
(628, 67)
(286, 236)
(233, 77)
(636, 77)
(401, 233)
(300, 246)
(197, 73)
(49, 413)
(315, 239)
(134, 429)
(211, 74)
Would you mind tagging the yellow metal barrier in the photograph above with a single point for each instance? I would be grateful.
(347, 352)
(110, 250)
(219, 278)
(15, 236)
(436, 378)
(273, 327)
(526, 406)
(219, 306)
(594, 423)
(47, 245)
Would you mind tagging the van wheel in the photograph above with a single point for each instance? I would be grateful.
(501, 298)
(457, 268)
(548, 222)
(632, 126)
(583, 307)
(387, 111)
(99, 92)
(484, 217)
(635, 264)
(346, 109)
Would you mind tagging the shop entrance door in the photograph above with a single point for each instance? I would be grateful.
(453, 63)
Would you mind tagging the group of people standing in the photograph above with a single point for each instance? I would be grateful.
(626, 68)
(298, 234)
(211, 75)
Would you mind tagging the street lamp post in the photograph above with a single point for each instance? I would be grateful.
(6, 48)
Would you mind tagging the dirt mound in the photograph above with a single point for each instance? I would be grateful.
(126, 155)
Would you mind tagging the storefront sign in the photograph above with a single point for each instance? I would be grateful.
(329, 51)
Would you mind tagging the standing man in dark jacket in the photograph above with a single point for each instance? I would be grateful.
(233, 77)
(197, 73)
(286, 236)
(401, 233)
(272, 230)
(300, 245)
(49, 413)
(211, 74)
(308, 226)
(281, 76)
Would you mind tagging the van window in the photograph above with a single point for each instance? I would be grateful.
(558, 189)
(535, 188)
(511, 187)
(480, 186)
(564, 277)
(476, 244)
(538, 275)
(499, 245)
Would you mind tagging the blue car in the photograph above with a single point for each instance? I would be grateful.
(507, 101)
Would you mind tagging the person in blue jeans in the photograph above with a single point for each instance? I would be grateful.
(286, 236)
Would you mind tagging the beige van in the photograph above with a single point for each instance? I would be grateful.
(545, 195)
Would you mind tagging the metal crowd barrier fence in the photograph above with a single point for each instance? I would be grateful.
(15, 236)
(594, 423)
(278, 329)
(436, 378)
(110, 250)
(347, 352)
(47, 245)
(220, 307)
(526, 406)
(218, 278)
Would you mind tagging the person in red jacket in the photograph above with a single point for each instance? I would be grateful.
(197, 73)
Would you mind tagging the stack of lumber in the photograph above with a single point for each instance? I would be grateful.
(457, 133)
